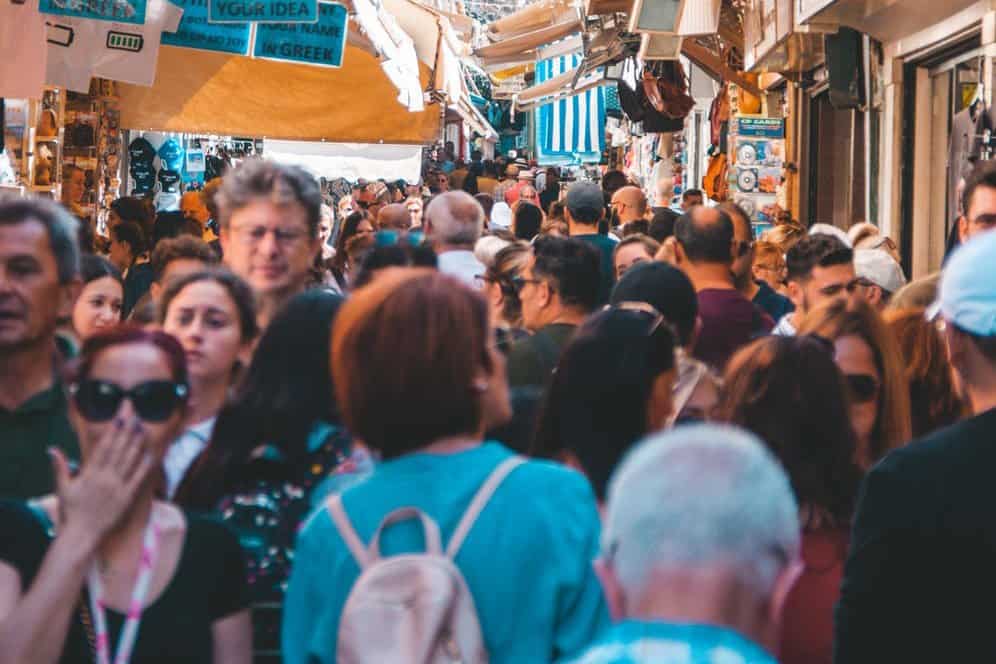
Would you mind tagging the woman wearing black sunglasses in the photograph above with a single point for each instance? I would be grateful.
(869, 357)
(103, 571)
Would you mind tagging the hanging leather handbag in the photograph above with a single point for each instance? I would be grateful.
(673, 88)
(631, 102)
(719, 113)
(714, 182)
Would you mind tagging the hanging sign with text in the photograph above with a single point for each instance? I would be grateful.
(263, 11)
(119, 11)
(321, 43)
(196, 32)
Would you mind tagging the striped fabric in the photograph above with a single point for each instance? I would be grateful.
(572, 127)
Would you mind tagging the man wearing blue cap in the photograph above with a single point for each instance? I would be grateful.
(923, 551)
(584, 208)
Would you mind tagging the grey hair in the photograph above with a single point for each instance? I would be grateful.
(698, 496)
(455, 218)
(280, 183)
(62, 229)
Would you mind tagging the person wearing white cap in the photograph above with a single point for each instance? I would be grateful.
(924, 539)
(879, 276)
(827, 229)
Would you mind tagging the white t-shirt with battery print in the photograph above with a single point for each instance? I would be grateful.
(80, 48)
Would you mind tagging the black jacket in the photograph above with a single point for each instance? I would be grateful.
(920, 581)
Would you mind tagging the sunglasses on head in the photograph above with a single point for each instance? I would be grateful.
(862, 387)
(154, 400)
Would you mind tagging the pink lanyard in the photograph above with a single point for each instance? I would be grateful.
(129, 633)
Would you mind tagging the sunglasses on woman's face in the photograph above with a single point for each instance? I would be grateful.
(154, 400)
(863, 388)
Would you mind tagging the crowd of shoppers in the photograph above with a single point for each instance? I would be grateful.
(576, 429)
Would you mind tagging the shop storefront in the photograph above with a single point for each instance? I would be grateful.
(930, 80)
(390, 74)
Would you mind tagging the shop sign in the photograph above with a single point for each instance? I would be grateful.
(322, 43)
(196, 32)
(760, 127)
(263, 11)
(119, 11)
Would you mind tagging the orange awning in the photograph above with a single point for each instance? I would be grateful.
(214, 93)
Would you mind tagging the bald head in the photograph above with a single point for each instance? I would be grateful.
(454, 219)
(393, 217)
(630, 204)
(705, 235)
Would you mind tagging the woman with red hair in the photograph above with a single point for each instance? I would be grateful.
(104, 570)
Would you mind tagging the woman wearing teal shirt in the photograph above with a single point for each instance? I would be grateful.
(419, 380)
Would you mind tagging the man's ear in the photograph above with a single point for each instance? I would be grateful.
(962, 229)
(546, 297)
(224, 239)
(680, 257)
(155, 290)
(875, 295)
(796, 294)
(614, 595)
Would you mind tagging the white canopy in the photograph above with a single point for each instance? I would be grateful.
(370, 161)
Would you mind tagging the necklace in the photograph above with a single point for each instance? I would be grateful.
(129, 632)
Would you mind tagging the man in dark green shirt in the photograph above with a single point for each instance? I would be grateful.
(39, 281)
(558, 288)
(584, 208)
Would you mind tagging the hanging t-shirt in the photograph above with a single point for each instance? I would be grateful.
(79, 48)
(172, 155)
(167, 202)
(964, 149)
(170, 181)
(141, 152)
(22, 50)
(144, 177)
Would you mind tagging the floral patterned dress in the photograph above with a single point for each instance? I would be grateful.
(275, 498)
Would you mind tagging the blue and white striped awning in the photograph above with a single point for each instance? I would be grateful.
(570, 128)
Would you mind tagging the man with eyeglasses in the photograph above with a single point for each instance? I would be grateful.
(269, 230)
(820, 268)
(700, 545)
(558, 288)
(39, 282)
(978, 202)
(758, 292)
(705, 249)
(920, 572)
(879, 276)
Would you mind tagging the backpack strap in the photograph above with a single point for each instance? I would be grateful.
(368, 555)
(481, 499)
(433, 543)
(347, 532)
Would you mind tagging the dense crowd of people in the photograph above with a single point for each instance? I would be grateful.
(516, 421)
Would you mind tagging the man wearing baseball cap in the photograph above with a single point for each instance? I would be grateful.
(584, 208)
(923, 548)
(878, 276)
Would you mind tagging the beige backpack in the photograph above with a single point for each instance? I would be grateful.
(412, 608)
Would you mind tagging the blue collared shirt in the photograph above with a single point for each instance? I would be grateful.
(636, 642)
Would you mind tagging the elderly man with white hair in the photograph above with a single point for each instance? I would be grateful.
(453, 223)
(700, 544)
